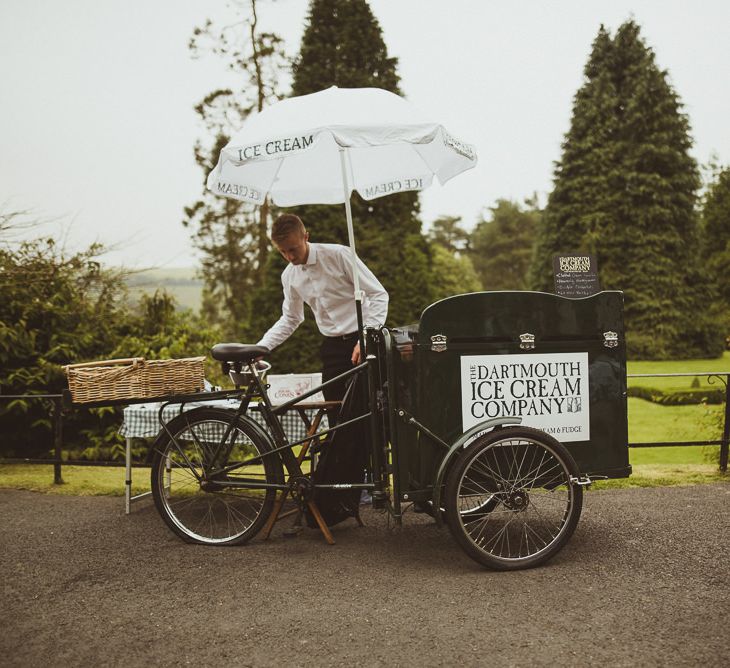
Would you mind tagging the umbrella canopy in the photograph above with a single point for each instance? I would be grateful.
(316, 149)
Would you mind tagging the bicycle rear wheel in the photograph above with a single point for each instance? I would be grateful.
(201, 490)
(510, 501)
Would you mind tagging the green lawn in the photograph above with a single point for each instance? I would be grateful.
(650, 422)
(676, 465)
(656, 423)
(653, 467)
(78, 480)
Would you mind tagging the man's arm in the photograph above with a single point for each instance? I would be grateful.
(292, 315)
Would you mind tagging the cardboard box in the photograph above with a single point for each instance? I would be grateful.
(287, 386)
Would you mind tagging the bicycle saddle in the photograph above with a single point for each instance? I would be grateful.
(238, 352)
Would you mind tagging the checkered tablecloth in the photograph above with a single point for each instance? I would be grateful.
(141, 420)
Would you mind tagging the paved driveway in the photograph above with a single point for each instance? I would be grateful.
(644, 581)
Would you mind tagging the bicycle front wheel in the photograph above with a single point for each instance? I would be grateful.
(208, 480)
(510, 500)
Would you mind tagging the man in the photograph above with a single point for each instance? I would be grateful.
(320, 275)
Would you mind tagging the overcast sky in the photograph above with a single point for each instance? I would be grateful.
(97, 123)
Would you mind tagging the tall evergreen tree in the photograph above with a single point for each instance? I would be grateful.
(343, 46)
(625, 190)
(716, 246)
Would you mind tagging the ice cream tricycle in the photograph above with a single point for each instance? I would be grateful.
(492, 413)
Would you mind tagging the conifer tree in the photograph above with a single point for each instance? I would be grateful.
(716, 228)
(625, 190)
(343, 46)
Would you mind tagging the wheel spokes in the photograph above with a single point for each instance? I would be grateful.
(203, 510)
(514, 498)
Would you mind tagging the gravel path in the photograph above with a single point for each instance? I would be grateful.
(644, 581)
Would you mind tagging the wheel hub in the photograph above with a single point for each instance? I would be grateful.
(516, 501)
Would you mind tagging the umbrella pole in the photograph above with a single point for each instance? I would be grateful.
(353, 255)
(377, 467)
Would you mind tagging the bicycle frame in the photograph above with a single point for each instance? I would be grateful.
(282, 447)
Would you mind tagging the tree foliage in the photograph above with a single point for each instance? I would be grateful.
(451, 270)
(452, 274)
(625, 191)
(59, 308)
(500, 247)
(343, 46)
(447, 232)
(232, 235)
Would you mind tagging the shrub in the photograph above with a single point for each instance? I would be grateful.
(678, 397)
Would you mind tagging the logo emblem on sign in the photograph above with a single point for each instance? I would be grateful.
(438, 343)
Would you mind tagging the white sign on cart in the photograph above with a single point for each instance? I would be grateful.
(548, 391)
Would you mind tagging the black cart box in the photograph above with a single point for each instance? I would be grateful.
(559, 364)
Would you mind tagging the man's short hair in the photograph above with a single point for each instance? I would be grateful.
(286, 224)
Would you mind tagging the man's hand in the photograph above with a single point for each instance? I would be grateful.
(356, 354)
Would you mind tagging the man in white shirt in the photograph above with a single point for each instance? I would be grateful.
(320, 275)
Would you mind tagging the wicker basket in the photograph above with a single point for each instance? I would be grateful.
(134, 378)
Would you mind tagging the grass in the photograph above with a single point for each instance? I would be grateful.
(78, 480)
(649, 422)
(83, 480)
(669, 466)
(653, 467)
(655, 423)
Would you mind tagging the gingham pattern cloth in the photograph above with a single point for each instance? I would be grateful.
(141, 420)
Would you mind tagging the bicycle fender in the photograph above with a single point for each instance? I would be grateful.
(464, 440)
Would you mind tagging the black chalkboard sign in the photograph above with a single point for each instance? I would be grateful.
(575, 275)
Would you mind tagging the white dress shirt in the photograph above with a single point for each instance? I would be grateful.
(325, 283)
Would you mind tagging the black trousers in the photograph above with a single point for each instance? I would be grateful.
(336, 354)
(344, 456)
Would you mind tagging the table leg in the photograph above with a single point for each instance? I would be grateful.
(128, 477)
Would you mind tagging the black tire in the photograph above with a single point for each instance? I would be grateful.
(510, 502)
(183, 477)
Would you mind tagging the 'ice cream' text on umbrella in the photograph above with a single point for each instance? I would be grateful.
(318, 148)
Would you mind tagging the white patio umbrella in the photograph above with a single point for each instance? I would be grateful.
(318, 148)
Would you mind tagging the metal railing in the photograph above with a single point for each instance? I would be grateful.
(56, 411)
(56, 401)
(723, 377)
